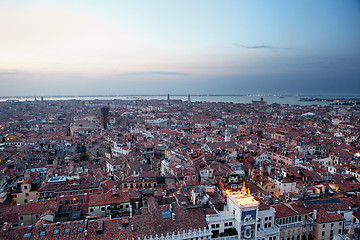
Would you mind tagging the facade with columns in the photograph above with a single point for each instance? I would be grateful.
(186, 235)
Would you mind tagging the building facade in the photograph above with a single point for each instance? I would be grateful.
(244, 218)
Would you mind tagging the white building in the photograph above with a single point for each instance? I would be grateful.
(245, 215)
(160, 122)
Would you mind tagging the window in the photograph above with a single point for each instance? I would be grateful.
(323, 225)
(80, 229)
(230, 223)
(91, 210)
(339, 231)
(81, 200)
(247, 232)
(81, 192)
(340, 223)
(42, 233)
(21, 218)
(323, 234)
(67, 230)
(212, 225)
(27, 235)
(37, 216)
(56, 231)
(25, 200)
(226, 224)
(102, 209)
(26, 194)
(90, 191)
(70, 193)
(108, 208)
(25, 187)
(127, 206)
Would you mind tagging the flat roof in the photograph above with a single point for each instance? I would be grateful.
(312, 202)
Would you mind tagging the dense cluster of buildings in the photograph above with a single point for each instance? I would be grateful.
(155, 169)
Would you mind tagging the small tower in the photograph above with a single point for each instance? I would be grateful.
(227, 135)
(189, 100)
(168, 99)
(104, 115)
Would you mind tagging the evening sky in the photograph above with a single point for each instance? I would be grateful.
(87, 47)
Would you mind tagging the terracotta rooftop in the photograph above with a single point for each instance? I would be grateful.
(282, 210)
(323, 216)
(109, 198)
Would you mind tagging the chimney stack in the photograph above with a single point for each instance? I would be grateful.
(314, 214)
(173, 216)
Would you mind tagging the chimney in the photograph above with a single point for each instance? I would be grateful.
(132, 227)
(173, 216)
(314, 214)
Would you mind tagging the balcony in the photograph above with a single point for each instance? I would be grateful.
(43, 199)
(308, 222)
(290, 225)
(222, 216)
(271, 231)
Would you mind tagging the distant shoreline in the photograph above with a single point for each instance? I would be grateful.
(318, 97)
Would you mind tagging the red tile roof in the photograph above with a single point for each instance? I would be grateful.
(323, 216)
(109, 198)
(282, 210)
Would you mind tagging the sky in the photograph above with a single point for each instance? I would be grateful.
(114, 47)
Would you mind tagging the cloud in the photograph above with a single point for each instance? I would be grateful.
(262, 46)
(10, 72)
(159, 73)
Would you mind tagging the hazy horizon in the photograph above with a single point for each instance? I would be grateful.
(68, 48)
